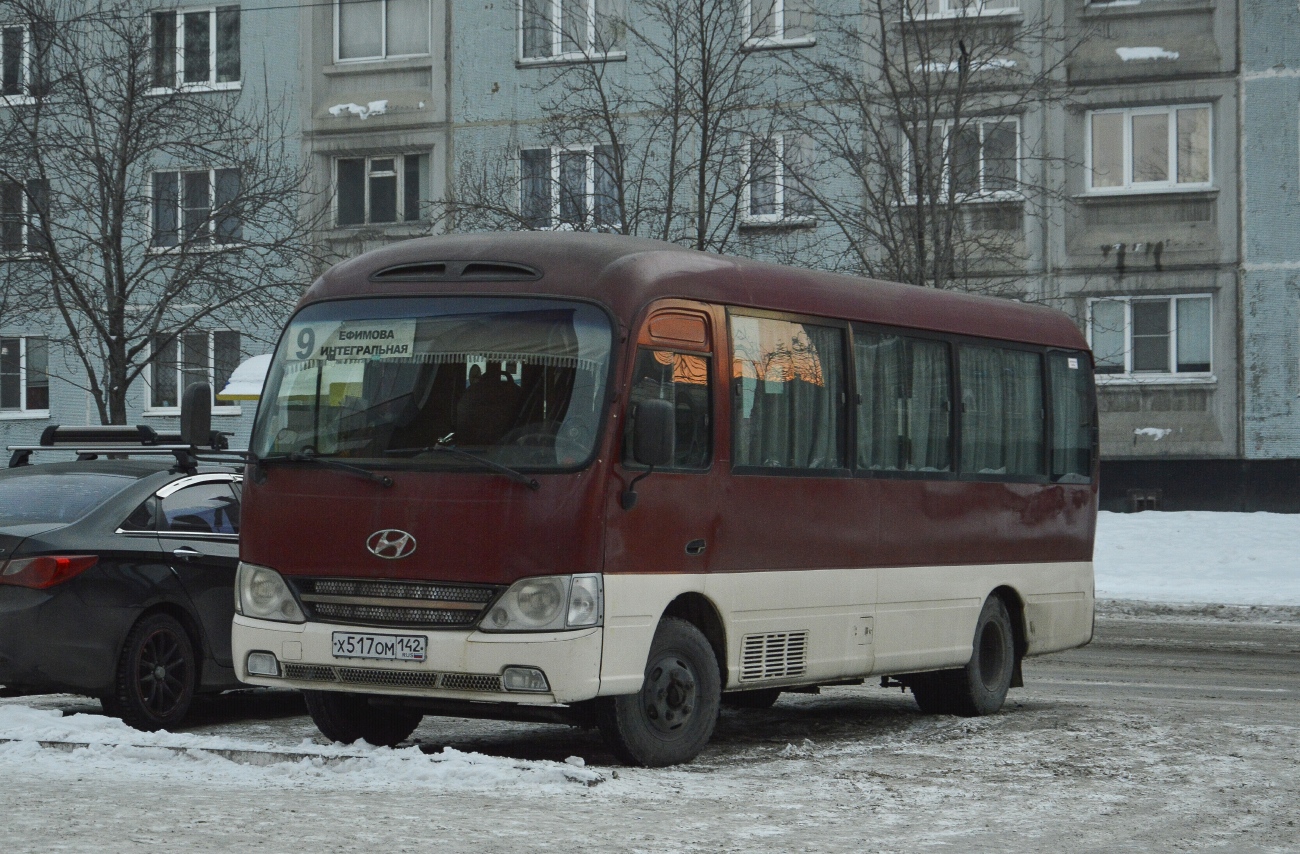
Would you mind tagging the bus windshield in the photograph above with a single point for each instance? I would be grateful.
(389, 382)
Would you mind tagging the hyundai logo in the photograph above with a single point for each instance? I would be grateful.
(391, 544)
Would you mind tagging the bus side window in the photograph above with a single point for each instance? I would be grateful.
(1001, 411)
(1071, 418)
(682, 378)
(788, 406)
(904, 403)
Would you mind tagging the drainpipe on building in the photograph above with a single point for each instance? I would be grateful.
(1241, 233)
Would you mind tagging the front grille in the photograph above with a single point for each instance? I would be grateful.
(415, 604)
(479, 683)
(382, 615)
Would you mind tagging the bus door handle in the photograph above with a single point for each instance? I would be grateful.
(695, 547)
(187, 553)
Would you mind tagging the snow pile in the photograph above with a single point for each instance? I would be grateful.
(1224, 558)
(46, 737)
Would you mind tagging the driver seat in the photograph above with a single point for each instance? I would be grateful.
(488, 408)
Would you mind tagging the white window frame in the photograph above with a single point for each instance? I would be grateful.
(1127, 185)
(558, 54)
(24, 96)
(211, 244)
(779, 40)
(400, 173)
(589, 194)
(26, 226)
(383, 55)
(981, 195)
(961, 9)
(22, 412)
(218, 407)
(1173, 376)
(179, 84)
(781, 216)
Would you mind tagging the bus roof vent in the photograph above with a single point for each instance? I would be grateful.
(497, 271)
(410, 272)
(451, 271)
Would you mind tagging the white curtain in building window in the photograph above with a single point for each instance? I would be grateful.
(361, 27)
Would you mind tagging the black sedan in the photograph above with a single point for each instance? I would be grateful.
(116, 581)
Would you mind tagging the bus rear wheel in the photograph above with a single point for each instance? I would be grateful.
(348, 717)
(979, 688)
(672, 717)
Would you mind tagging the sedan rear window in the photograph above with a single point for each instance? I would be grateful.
(56, 498)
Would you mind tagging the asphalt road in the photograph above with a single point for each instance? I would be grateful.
(1163, 734)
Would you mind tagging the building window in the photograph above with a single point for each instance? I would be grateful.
(1150, 148)
(24, 374)
(953, 8)
(14, 64)
(196, 48)
(569, 188)
(1133, 336)
(570, 29)
(379, 190)
(176, 362)
(20, 223)
(778, 23)
(196, 208)
(380, 29)
(779, 168)
(981, 159)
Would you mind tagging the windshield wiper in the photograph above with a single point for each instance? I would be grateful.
(443, 448)
(310, 456)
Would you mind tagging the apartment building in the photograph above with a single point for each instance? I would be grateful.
(186, 218)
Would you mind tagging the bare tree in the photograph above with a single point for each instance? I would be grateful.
(665, 129)
(921, 119)
(149, 206)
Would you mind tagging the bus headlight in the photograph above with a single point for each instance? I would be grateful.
(261, 593)
(546, 604)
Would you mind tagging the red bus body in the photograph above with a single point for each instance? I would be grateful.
(886, 573)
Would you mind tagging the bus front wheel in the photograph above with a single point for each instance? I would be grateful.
(672, 717)
(349, 717)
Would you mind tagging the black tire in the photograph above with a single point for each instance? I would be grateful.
(157, 674)
(981, 686)
(349, 717)
(672, 717)
(761, 698)
(933, 691)
(984, 681)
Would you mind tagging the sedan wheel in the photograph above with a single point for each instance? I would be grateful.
(156, 675)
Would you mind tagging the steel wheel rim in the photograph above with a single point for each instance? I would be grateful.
(161, 673)
(670, 694)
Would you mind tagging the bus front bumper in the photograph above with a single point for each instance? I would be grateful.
(459, 665)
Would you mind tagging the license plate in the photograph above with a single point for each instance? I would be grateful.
(384, 647)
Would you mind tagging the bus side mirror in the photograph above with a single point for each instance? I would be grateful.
(654, 429)
(196, 415)
(653, 432)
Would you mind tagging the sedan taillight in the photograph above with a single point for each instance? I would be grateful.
(45, 571)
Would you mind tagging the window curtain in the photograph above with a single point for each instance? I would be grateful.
(1071, 418)
(791, 387)
(981, 410)
(408, 27)
(930, 416)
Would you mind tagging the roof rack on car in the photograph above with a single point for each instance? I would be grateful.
(196, 442)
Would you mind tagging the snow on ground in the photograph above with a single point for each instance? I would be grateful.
(1199, 557)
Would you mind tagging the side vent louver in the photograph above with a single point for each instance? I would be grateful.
(452, 271)
(778, 655)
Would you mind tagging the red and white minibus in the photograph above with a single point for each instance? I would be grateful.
(611, 481)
